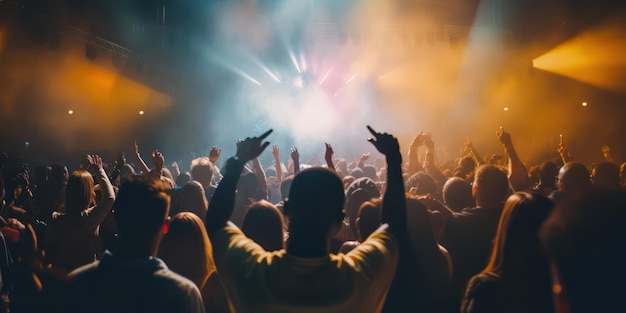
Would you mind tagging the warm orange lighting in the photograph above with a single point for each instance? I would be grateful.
(141, 112)
(595, 57)
(506, 108)
(70, 112)
(585, 104)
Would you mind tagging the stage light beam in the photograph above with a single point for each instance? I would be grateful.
(594, 57)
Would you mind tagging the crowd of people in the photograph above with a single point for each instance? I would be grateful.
(403, 233)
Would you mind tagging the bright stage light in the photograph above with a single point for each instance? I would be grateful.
(506, 109)
(141, 112)
(295, 62)
(594, 57)
(584, 104)
(70, 112)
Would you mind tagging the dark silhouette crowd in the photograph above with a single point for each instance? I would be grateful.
(402, 233)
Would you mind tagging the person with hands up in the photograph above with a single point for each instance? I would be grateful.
(518, 176)
(71, 238)
(305, 276)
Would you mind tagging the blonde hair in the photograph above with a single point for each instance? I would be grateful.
(79, 193)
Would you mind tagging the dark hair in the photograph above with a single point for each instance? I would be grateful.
(584, 239)
(457, 194)
(492, 185)
(316, 197)
(141, 207)
(264, 224)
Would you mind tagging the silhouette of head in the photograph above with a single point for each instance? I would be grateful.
(490, 186)
(315, 202)
(141, 209)
(264, 224)
(79, 193)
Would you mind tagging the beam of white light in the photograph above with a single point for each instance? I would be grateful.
(303, 62)
(352, 78)
(325, 76)
(248, 77)
(295, 61)
(270, 73)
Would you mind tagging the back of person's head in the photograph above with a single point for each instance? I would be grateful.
(315, 201)
(202, 171)
(606, 175)
(467, 164)
(370, 172)
(285, 186)
(79, 193)
(41, 174)
(365, 184)
(573, 177)
(58, 173)
(369, 218)
(183, 179)
(186, 248)
(264, 224)
(422, 184)
(141, 209)
(357, 173)
(584, 239)
(547, 172)
(457, 194)
(247, 186)
(490, 186)
(193, 199)
(126, 172)
(353, 202)
(517, 254)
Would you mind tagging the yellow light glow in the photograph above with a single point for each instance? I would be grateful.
(70, 112)
(506, 108)
(585, 104)
(594, 57)
(141, 112)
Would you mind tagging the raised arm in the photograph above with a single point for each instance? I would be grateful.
(223, 201)
(563, 153)
(430, 163)
(364, 157)
(261, 180)
(97, 214)
(472, 152)
(295, 156)
(144, 168)
(414, 163)
(328, 156)
(279, 169)
(518, 176)
(394, 201)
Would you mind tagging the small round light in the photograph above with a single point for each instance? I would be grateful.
(506, 108)
(585, 104)
(70, 112)
(141, 112)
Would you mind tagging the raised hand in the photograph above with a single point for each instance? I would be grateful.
(468, 144)
(429, 142)
(295, 155)
(94, 161)
(504, 137)
(214, 154)
(136, 146)
(251, 148)
(275, 151)
(328, 155)
(417, 140)
(158, 160)
(384, 143)
(365, 156)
